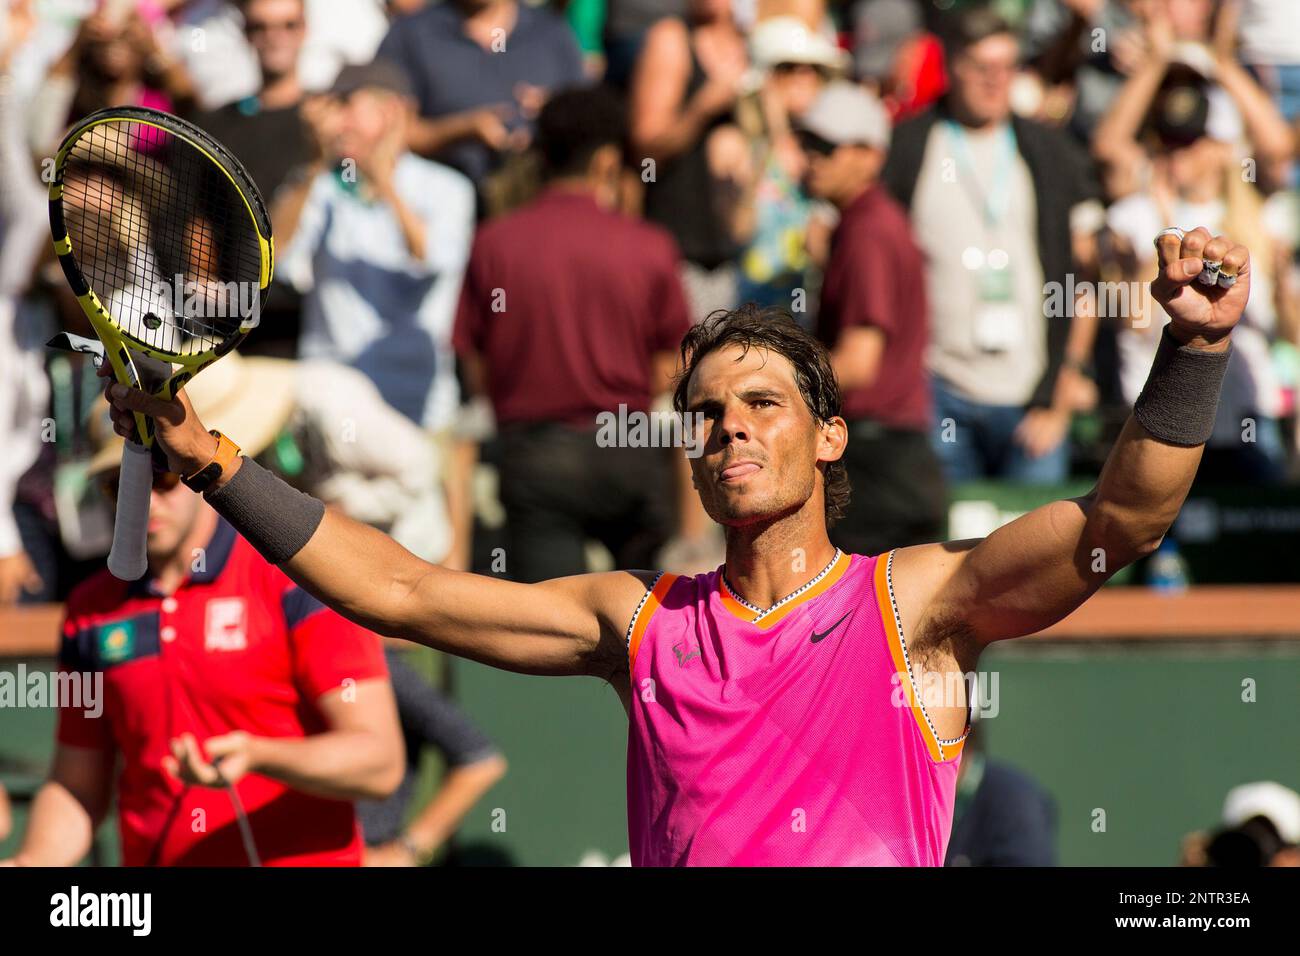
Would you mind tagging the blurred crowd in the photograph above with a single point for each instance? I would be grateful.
(494, 221)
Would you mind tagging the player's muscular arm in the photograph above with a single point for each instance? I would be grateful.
(569, 625)
(566, 626)
(1037, 569)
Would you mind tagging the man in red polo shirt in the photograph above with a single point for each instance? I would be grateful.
(873, 320)
(291, 704)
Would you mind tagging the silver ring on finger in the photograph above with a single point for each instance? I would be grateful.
(1226, 280)
(1169, 231)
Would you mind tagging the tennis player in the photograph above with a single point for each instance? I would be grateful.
(772, 704)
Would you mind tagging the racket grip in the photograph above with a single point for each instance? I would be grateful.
(128, 559)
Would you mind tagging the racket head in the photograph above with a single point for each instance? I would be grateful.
(165, 241)
(163, 237)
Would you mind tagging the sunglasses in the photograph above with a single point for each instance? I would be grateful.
(162, 481)
(787, 69)
(266, 26)
(810, 142)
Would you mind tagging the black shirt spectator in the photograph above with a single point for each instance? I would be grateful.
(269, 141)
(1003, 818)
(454, 73)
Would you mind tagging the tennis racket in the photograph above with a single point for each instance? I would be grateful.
(166, 243)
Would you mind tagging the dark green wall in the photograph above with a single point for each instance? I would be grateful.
(1152, 735)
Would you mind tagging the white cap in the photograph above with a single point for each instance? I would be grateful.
(789, 40)
(1281, 805)
(846, 114)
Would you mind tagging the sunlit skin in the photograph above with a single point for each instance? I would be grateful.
(1190, 19)
(759, 475)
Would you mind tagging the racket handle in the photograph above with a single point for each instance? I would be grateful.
(128, 559)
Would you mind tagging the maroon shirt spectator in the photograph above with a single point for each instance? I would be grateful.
(569, 310)
(875, 277)
(567, 303)
(873, 319)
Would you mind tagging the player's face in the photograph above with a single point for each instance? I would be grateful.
(761, 443)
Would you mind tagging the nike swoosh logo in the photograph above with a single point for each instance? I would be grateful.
(826, 633)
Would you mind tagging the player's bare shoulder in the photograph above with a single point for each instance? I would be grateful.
(612, 597)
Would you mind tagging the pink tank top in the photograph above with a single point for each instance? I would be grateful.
(785, 737)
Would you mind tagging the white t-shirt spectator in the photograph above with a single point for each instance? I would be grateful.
(369, 304)
(1268, 32)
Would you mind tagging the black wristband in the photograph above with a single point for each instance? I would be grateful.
(1181, 396)
(274, 517)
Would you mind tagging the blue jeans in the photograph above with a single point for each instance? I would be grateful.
(980, 443)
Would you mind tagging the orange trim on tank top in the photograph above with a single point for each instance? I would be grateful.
(939, 750)
(765, 619)
(653, 600)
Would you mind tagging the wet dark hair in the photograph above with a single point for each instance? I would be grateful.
(574, 124)
(775, 330)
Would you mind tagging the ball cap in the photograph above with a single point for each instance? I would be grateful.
(1279, 804)
(378, 75)
(845, 114)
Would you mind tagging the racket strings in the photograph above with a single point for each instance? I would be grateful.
(163, 236)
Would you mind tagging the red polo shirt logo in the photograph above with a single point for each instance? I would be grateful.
(226, 627)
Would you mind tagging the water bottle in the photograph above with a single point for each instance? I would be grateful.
(1167, 572)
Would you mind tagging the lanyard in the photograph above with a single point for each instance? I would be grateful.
(994, 202)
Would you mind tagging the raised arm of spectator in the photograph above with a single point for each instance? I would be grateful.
(1116, 135)
(1227, 20)
(165, 69)
(1266, 128)
(429, 136)
(663, 122)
